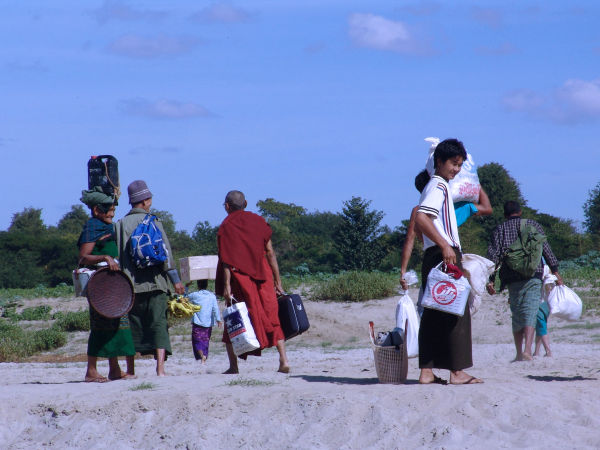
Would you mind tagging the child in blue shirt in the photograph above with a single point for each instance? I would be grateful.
(203, 320)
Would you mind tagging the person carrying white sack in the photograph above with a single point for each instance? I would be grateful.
(444, 338)
(468, 197)
(483, 207)
(524, 283)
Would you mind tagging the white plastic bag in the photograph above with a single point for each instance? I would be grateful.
(81, 276)
(465, 186)
(444, 293)
(239, 328)
(477, 269)
(408, 322)
(548, 282)
(411, 277)
(565, 303)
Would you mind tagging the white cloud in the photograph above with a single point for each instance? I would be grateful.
(134, 46)
(523, 100)
(169, 150)
(163, 109)
(580, 97)
(491, 17)
(503, 49)
(27, 66)
(315, 47)
(222, 13)
(117, 10)
(372, 31)
(574, 102)
(423, 8)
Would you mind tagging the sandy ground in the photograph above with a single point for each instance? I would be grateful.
(331, 399)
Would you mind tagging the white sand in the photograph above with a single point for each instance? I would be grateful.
(330, 400)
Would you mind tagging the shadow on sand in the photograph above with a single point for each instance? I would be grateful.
(343, 380)
(551, 378)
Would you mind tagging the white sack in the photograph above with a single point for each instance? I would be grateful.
(465, 186)
(565, 303)
(239, 328)
(548, 282)
(408, 322)
(477, 269)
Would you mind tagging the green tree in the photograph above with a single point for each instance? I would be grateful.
(73, 221)
(591, 211)
(356, 238)
(21, 261)
(205, 238)
(500, 187)
(271, 210)
(167, 220)
(565, 241)
(28, 221)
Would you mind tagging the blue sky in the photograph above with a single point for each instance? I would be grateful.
(310, 102)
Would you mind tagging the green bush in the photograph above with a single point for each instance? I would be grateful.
(35, 313)
(48, 339)
(356, 286)
(40, 291)
(73, 321)
(10, 313)
(16, 343)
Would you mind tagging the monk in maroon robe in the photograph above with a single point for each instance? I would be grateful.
(248, 271)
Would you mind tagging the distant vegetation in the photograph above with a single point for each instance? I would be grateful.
(36, 255)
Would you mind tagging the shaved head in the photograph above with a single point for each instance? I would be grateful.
(235, 200)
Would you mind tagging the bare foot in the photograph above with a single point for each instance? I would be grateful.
(426, 376)
(548, 354)
(98, 379)
(122, 376)
(462, 377)
(231, 371)
(284, 368)
(434, 380)
(471, 380)
(203, 359)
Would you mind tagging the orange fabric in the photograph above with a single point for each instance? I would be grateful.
(242, 238)
(261, 301)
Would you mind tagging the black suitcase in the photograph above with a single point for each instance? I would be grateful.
(292, 315)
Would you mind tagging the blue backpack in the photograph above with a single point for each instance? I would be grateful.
(147, 247)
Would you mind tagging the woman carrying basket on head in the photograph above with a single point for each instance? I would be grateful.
(109, 338)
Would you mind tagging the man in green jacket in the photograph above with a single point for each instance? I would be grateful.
(148, 317)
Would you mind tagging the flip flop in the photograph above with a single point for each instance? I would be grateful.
(472, 380)
(436, 380)
(124, 376)
(96, 380)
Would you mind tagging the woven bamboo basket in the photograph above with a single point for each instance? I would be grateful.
(391, 363)
(110, 293)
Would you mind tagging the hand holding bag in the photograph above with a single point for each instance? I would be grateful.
(239, 328)
(447, 290)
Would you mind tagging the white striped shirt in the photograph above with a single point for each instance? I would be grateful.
(435, 201)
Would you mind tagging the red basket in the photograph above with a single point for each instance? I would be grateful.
(110, 293)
